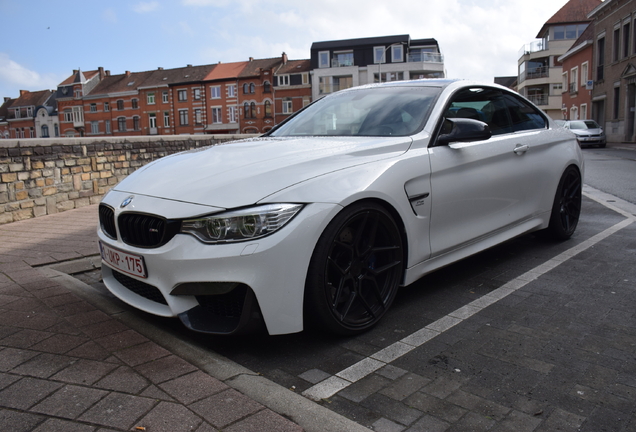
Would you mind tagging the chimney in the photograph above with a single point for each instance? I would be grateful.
(23, 92)
(7, 99)
(107, 73)
(75, 71)
(159, 68)
(127, 73)
(189, 65)
(251, 59)
(101, 73)
(284, 58)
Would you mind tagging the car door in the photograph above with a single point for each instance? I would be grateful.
(484, 187)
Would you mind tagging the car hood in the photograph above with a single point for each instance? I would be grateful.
(593, 131)
(245, 172)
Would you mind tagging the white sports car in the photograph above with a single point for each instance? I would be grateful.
(323, 218)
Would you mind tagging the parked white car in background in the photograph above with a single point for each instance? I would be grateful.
(587, 132)
(322, 219)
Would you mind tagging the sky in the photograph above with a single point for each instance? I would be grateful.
(44, 40)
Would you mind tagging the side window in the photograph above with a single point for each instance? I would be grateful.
(482, 104)
(523, 115)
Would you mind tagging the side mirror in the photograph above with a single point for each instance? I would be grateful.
(463, 130)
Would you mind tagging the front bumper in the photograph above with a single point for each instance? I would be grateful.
(266, 277)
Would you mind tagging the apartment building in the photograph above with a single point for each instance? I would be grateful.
(341, 64)
(69, 97)
(31, 115)
(256, 83)
(614, 69)
(577, 74)
(540, 73)
(292, 87)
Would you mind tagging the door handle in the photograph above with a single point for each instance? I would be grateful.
(521, 149)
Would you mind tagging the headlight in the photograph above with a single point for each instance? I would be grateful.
(241, 225)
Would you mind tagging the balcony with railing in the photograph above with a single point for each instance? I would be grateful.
(532, 47)
(425, 57)
(539, 99)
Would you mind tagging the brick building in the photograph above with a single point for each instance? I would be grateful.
(21, 115)
(292, 86)
(577, 73)
(614, 69)
(256, 95)
(69, 96)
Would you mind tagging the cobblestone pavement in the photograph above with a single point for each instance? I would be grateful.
(67, 366)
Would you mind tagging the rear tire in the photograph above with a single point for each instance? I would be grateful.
(566, 208)
(355, 270)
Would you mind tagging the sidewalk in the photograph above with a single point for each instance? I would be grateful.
(66, 365)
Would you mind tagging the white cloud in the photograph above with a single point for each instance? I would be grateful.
(14, 75)
(109, 16)
(145, 7)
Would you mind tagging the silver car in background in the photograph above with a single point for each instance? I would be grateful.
(587, 132)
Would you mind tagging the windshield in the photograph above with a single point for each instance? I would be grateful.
(587, 124)
(372, 111)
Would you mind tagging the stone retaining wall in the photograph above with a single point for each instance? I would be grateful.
(46, 176)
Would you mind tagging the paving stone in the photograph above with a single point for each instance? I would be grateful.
(123, 379)
(517, 422)
(314, 376)
(193, 387)
(25, 338)
(44, 365)
(478, 405)
(429, 424)
(364, 388)
(265, 420)
(27, 392)
(472, 422)
(392, 409)
(89, 350)
(443, 410)
(171, 417)
(84, 372)
(15, 421)
(391, 372)
(142, 353)
(118, 410)
(405, 386)
(165, 368)
(560, 420)
(225, 408)
(58, 425)
(120, 340)
(70, 401)
(441, 387)
(155, 392)
(386, 425)
(59, 344)
(7, 379)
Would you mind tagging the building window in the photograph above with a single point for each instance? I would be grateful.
(135, 103)
(232, 114)
(626, 40)
(216, 115)
(389, 76)
(246, 110)
(574, 80)
(45, 131)
(78, 93)
(94, 128)
(166, 119)
(283, 80)
(215, 92)
(342, 59)
(333, 84)
(616, 107)
(135, 123)
(17, 113)
(600, 52)
(571, 31)
(107, 126)
(268, 109)
(106, 107)
(164, 97)
(197, 94)
(121, 124)
(183, 117)
(397, 53)
(305, 78)
(323, 59)
(267, 87)
(182, 95)
(583, 111)
(253, 110)
(252, 88)
(197, 117)
(584, 74)
(287, 106)
(152, 121)
(93, 107)
(616, 44)
(68, 115)
(150, 98)
(378, 55)
(120, 105)
(246, 88)
(231, 90)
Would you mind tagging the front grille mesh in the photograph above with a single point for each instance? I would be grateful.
(143, 289)
(107, 220)
(141, 230)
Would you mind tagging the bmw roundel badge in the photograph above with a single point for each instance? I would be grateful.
(127, 201)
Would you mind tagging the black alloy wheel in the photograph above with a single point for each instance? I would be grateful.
(567, 205)
(355, 270)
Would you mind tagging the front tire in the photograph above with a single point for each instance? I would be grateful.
(355, 270)
(566, 208)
